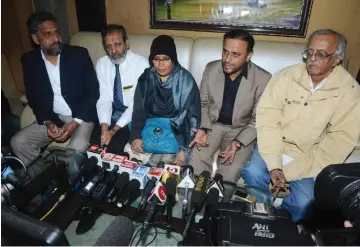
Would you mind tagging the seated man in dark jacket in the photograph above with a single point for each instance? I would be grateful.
(62, 89)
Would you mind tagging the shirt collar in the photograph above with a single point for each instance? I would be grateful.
(311, 84)
(45, 60)
(244, 73)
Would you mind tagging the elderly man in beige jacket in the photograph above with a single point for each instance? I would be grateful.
(307, 119)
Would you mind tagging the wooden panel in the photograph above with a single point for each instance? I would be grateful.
(23, 9)
(73, 22)
(11, 45)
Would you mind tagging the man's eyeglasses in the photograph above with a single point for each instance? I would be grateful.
(318, 56)
(164, 60)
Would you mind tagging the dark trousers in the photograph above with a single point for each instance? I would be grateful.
(118, 141)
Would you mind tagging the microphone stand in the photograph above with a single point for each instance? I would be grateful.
(185, 201)
(170, 205)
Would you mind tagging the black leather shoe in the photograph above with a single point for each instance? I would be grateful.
(83, 211)
(87, 220)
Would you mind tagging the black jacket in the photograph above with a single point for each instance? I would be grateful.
(79, 84)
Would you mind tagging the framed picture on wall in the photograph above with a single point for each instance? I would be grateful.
(265, 17)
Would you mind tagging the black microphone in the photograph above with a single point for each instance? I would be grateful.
(90, 186)
(212, 199)
(131, 193)
(217, 183)
(170, 189)
(102, 188)
(197, 198)
(161, 164)
(204, 226)
(89, 168)
(90, 164)
(147, 190)
(157, 195)
(120, 184)
(118, 233)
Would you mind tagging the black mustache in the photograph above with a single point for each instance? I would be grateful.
(57, 43)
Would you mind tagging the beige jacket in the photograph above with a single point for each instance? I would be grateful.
(315, 129)
(247, 97)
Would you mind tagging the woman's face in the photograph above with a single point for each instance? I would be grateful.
(163, 65)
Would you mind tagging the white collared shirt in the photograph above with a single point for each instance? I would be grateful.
(311, 83)
(59, 106)
(130, 71)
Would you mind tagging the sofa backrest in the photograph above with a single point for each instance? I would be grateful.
(195, 54)
(271, 56)
(139, 43)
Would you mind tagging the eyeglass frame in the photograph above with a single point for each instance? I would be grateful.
(164, 60)
(305, 55)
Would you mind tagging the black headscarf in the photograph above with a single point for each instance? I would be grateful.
(163, 45)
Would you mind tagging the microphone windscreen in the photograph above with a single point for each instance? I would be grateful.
(133, 186)
(149, 186)
(118, 233)
(188, 167)
(90, 163)
(122, 181)
(161, 164)
(170, 187)
(199, 192)
(212, 197)
(218, 177)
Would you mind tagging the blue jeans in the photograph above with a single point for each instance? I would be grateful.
(298, 203)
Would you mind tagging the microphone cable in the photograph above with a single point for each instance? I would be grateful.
(153, 226)
(61, 198)
(142, 230)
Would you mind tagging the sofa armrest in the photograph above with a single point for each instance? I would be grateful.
(357, 147)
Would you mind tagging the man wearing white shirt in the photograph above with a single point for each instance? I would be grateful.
(61, 88)
(118, 74)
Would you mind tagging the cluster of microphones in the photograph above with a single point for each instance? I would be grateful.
(125, 181)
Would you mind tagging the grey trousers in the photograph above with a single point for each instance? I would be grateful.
(220, 137)
(27, 143)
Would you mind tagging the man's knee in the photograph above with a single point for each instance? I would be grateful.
(230, 175)
(300, 201)
(300, 207)
(18, 141)
(252, 170)
(79, 144)
(255, 175)
(199, 163)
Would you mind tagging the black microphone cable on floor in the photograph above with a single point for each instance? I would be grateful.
(153, 225)
(142, 230)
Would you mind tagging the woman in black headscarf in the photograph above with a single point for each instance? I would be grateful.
(166, 105)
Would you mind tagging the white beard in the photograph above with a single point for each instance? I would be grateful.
(119, 60)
